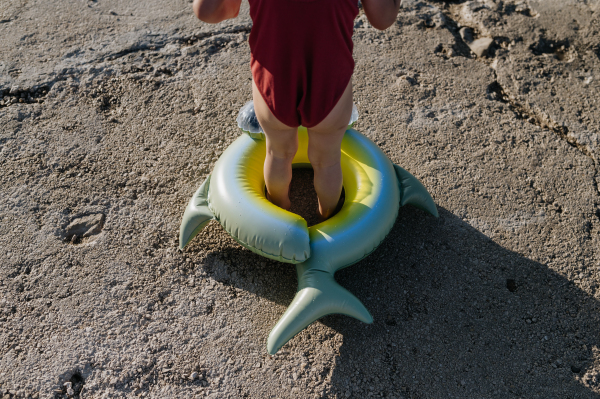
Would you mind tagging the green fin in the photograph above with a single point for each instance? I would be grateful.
(412, 192)
(318, 295)
(196, 215)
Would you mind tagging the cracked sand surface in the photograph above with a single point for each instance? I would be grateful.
(113, 112)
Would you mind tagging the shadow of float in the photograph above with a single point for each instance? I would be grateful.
(237, 267)
(455, 315)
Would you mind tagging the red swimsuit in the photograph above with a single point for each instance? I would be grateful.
(302, 56)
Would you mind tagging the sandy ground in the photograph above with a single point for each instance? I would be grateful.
(113, 112)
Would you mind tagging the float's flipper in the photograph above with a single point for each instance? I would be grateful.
(318, 295)
(412, 192)
(196, 215)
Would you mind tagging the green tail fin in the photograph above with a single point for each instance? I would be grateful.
(412, 192)
(196, 215)
(318, 295)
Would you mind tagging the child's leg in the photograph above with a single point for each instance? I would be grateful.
(282, 144)
(324, 153)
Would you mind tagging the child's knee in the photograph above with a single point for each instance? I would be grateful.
(286, 156)
(285, 150)
(321, 158)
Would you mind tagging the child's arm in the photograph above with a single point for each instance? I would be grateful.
(381, 13)
(213, 11)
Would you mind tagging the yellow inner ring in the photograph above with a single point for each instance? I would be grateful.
(358, 169)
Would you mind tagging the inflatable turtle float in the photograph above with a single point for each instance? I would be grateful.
(234, 195)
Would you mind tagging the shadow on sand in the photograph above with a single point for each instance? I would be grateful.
(455, 315)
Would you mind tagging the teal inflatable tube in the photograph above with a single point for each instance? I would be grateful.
(375, 188)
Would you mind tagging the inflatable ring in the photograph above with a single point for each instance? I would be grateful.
(375, 188)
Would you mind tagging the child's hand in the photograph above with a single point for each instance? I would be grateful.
(381, 13)
(213, 11)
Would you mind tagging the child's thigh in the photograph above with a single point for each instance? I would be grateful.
(326, 137)
(282, 140)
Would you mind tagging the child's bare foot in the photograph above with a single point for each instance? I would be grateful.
(338, 207)
(285, 203)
